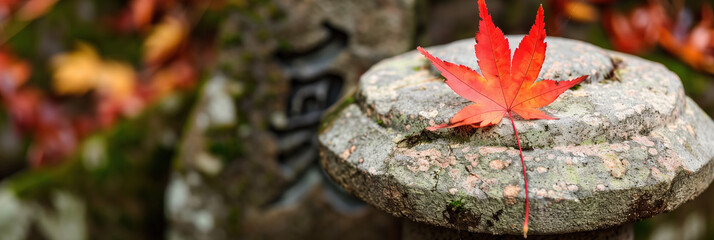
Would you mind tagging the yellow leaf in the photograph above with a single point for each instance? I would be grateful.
(75, 72)
(82, 70)
(115, 80)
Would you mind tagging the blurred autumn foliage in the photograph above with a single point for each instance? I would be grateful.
(71, 68)
(638, 27)
(57, 92)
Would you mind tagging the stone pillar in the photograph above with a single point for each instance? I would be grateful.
(248, 166)
(627, 145)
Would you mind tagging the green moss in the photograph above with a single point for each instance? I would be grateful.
(457, 205)
(570, 175)
(227, 148)
(235, 215)
(536, 139)
(263, 35)
(689, 148)
(600, 139)
(275, 13)
(35, 184)
(284, 45)
(246, 57)
(231, 39)
(618, 73)
(333, 113)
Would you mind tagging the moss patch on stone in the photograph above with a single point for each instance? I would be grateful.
(457, 205)
(333, 113)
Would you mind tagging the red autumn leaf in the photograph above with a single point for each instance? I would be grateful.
(34, 9)
(54, 136)
(506, 86)
(141, 12)
(13, 73)
(503, 88)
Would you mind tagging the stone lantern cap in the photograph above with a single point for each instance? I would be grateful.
(628, 145)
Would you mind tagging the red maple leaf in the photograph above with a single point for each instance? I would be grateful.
(506, 87)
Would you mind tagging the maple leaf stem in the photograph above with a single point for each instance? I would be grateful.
(525, 178)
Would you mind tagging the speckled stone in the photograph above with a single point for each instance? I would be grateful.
(628, 145)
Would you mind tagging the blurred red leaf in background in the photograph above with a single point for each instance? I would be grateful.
(637, 31)
(696, 46)
(52, 119)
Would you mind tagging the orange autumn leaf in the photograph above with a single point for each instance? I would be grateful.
(178, 74)
(141, 12)
(581, 11)
(506, 86)
(164, 40)
(694, 48)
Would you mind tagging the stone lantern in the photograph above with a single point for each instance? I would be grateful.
(627, 145)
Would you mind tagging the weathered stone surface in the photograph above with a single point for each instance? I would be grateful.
(627, 145)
